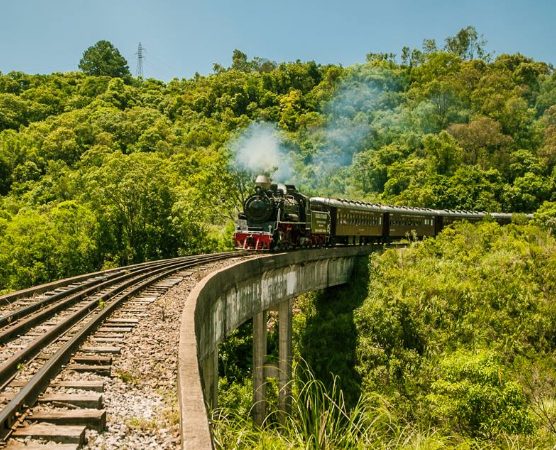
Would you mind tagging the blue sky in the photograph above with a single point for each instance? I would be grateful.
(188, 36)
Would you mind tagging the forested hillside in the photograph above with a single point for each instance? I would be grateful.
(98, 168)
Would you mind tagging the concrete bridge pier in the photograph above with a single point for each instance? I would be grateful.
(284, 358)
(263, 370)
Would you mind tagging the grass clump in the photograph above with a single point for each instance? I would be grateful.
(128, 377)
(320, 419)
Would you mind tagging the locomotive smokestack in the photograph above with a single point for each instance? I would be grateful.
(263, 182)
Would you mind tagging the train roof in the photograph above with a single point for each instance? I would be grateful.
(377, 207)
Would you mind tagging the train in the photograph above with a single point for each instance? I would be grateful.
(278, 217)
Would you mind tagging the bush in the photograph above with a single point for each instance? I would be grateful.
(473, 395)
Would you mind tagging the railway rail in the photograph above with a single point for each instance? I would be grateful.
(43, 329)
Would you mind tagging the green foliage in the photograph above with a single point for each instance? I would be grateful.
(452, 325)
(235, 356)
(473, 395)
(546, 216)
(466, 44)
(104, 59)
(133, 195)
(39, 246)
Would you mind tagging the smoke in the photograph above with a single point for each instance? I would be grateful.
(358, 101)
(261, 149)
(363, 98)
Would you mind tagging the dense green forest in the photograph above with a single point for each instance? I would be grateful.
(452, 343)
(98, 168)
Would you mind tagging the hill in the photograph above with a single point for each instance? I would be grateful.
(97, 171)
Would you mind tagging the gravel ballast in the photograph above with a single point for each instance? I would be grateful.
(141, 397)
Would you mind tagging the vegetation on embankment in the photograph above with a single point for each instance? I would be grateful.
(454, 344)
(98, 168)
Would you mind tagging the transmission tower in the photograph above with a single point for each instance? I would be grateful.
(140, 56)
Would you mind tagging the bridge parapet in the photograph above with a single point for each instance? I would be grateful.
(224, 300)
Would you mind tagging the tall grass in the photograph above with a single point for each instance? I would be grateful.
(320, 419)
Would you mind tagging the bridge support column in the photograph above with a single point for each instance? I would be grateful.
(259, 358)
(284, 358)
(210, 378)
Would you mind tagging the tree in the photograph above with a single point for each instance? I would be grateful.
(133, 197)
(39, 246)
(483, 141)
(239, 61)
(104, 59)
(429, 46)
(467, 44)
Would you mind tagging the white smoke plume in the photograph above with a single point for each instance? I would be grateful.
(362, 100)
(350, 115)
(260, 149)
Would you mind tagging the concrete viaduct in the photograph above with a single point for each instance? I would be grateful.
(223, 301)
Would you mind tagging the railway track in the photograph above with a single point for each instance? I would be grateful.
(71, 326)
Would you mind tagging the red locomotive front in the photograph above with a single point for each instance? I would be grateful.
(272, 218)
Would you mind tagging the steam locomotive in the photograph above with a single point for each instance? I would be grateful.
(278, 217)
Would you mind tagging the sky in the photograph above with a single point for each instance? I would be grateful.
(189, 36)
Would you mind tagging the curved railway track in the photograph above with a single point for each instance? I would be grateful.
(42, 331)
